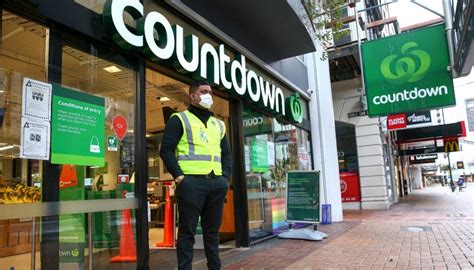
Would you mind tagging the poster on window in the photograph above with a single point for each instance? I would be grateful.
(35, 139)
(350, 187)
(259, 151)
(36, 99)
(77, 129)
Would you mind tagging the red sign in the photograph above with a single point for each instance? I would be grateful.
(350, 187)
(396, 121)
(120, 126)
(123, 178)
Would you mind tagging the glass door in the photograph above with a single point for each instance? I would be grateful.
(23, 55)
(165, 96)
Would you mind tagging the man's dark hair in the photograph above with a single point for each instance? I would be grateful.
(195, 85)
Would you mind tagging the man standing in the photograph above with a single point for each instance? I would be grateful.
(196, 152)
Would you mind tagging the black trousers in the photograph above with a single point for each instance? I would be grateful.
(204, 197)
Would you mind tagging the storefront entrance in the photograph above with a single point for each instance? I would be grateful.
(165, 96)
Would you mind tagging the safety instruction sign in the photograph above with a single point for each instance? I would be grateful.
(36, 99)
(34, 139)
(78, 128)
(302, 196)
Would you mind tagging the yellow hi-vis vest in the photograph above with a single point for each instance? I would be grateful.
(199, 149)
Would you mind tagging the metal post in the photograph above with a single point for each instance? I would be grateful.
(174, 224)
(448, 22)
(451, 183)
(360, 52)
(33, 244)
(89, 226)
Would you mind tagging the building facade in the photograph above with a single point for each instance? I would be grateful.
(87, 87)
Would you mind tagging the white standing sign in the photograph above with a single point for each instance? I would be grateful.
(35, 139)
(36, 99)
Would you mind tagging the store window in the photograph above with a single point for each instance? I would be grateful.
(94, 86)
(23, 54)
(271, 149)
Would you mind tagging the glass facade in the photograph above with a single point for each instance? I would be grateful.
(23, 54)
(271, 149)
(85, 79)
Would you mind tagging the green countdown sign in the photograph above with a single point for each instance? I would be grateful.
(302, 196)
(407, 72)
(77, 128)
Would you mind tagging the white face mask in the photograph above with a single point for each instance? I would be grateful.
(206, 101)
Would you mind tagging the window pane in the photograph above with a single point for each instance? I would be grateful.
(92, 75)
(87, 78)
(23, 54)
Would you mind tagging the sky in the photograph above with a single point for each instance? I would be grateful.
(408, 13)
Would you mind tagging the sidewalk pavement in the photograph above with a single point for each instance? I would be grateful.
(432, 228)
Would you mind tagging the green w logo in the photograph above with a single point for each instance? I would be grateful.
(410, 67)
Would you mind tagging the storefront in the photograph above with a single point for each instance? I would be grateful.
(107, 76)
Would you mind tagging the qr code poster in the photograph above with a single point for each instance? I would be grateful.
(36, 99)
(35, 139)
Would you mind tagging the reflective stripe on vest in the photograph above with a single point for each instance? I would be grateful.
(190, 155)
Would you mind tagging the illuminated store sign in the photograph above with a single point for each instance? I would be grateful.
(171, 46)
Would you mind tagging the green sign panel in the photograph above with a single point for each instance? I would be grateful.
(407, 72)
(302, 196)
(78, 128)
(72, 227)
(259, 155)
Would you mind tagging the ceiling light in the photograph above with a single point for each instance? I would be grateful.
(164, 99)
(6, 147)
(112, 69)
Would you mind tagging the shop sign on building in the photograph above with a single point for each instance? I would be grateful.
(451, 145)
(205, 61)
(408, 72)
(418, 119)
(421, 159)
(409, 120)
(396, 121)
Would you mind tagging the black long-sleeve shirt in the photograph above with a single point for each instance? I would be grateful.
(174, 132)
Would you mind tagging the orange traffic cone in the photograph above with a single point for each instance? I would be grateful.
(168, 234)
(127, 243)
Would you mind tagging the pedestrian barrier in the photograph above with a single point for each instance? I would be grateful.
(168, 232)
(127, 243)
(326, 214)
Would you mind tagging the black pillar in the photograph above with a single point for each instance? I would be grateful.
(141, 171)
(238, 177)
(50, 186)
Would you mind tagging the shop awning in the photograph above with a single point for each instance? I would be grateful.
(272, 30)
(430, 140)
(431, 133)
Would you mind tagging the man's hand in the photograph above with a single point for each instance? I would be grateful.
(178, 180)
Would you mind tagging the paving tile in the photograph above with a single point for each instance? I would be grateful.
(373, 239)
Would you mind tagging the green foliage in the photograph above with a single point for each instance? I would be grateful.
(325, 18)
